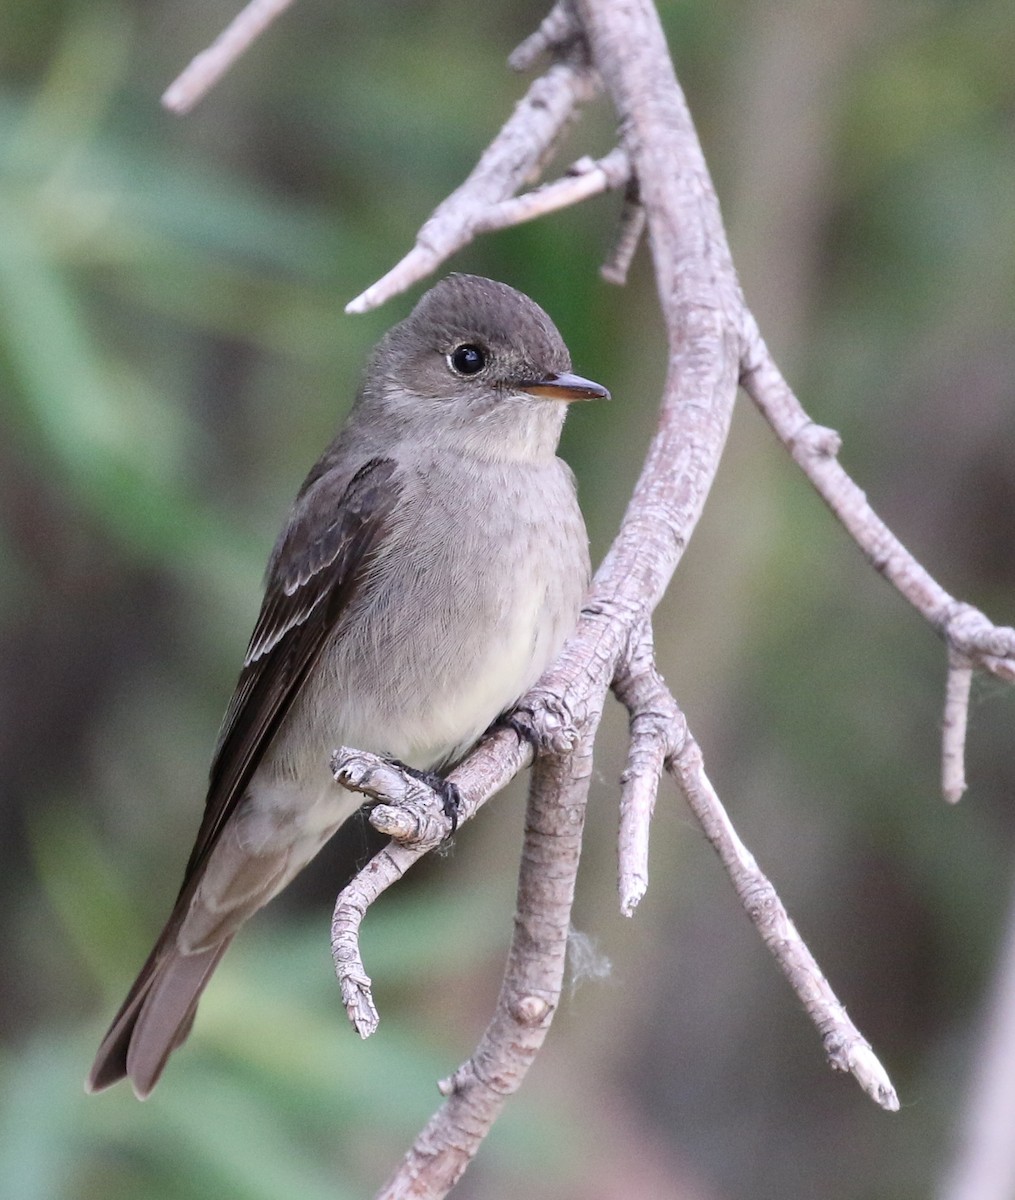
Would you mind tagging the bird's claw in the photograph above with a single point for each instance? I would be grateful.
(450, 796)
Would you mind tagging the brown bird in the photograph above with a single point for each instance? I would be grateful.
(430, 569)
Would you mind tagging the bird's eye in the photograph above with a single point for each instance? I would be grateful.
(467, 359)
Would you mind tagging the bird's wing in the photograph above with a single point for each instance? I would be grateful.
(314, 573)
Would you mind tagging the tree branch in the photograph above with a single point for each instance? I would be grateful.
(972, 640)
(658, 730)
(515, 157)
(557, 30)
(207, 68)
(629, 233)
(530, 993)
(953, 727)
(660, 737)
(489, 768)
(845, 1046)
(584, 179)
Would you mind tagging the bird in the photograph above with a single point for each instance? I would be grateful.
(430, 569)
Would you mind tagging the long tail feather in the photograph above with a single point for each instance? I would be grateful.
(155, 1018)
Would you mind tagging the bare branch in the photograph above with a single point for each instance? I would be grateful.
(846, 1048)
(629, 234)
(207, 68)
(490, 767)
(953, 727)
(971, 638)
(657, 732)
(700, 301)
(513, 159)
(557, 29)
(530, 993)
(814, 449)
(585, 178)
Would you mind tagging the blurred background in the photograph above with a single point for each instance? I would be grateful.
(173, 356)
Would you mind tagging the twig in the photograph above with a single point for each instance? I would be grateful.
(971, 638)
(207, 68)
(585, 178)
(558, 28)
(513, 158)
(629, 234)
(657, 732)
(965, 629)
(846, 1048)
(953, 727)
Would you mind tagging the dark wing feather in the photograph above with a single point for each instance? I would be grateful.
(312, 576)
(313, 573)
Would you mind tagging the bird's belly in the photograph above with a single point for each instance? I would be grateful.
(449, 628)
(476, 682)
(426, 705)
(426, 683)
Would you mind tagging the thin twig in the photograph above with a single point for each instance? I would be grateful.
(558, 27)
(513, 159)
(207, 68)
(628, 237)
(656, 733)
(585, 178)
(953, 727)
(965, 629)
(845, 1046)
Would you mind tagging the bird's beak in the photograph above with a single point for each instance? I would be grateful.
(565, 386)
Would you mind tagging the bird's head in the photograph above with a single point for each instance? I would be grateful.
(482, 368)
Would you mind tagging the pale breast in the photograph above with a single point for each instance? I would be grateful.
(471, 599)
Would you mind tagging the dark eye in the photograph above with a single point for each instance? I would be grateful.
(467, 359)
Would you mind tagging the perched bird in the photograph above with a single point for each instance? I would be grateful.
(430, 569)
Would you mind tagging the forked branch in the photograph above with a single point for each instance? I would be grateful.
(713, 344)
(513, 159)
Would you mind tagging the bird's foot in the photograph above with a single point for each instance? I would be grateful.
(451, 797)
(403, 797)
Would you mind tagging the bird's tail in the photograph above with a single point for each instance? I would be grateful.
(156, 1016)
